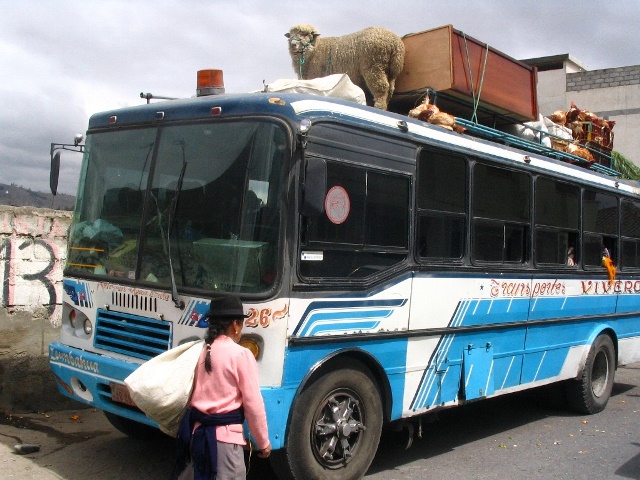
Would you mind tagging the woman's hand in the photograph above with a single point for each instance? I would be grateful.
(265, 452)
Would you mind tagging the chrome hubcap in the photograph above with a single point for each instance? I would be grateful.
(337, 428)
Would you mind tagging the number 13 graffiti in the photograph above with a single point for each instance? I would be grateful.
(8, 258)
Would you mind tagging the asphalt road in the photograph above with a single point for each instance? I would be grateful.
(512, 437)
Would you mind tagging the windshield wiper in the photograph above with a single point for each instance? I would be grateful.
(174, 203)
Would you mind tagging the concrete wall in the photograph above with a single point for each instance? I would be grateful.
(609, 77)
(32, 255)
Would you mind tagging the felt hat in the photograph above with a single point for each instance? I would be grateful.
(226, 308)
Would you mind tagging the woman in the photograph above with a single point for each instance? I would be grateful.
(225, 392)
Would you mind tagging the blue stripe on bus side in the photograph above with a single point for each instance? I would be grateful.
(511, 366)
(334, 316)
(515, 363)
(349, 320)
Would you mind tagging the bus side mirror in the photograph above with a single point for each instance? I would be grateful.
(315, 187)
(54, 174)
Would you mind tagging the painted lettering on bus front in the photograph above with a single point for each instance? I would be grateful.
(264, 316)
(135, 291)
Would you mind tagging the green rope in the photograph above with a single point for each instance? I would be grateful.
(302, 58)
(475, 100)
(328, 67)
(466, 48)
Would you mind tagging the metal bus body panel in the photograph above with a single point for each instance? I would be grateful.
(504, 315)
(628, 348)
(522, 355)
(87, 377)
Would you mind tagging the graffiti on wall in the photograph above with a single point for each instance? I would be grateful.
(32, 251)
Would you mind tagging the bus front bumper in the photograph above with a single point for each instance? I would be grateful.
(94, 380)
(98, 381)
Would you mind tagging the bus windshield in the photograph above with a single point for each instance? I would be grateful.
(204, 195)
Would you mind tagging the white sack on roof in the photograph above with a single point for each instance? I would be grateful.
(532, 131)
(338, 85)
(558, 130)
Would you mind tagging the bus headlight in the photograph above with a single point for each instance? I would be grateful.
(252, 345)
(88, 327)
(72, 318)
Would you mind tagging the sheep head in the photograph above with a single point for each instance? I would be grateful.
(302, 38)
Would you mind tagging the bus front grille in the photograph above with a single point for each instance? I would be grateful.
(140, 337)
(139, 302)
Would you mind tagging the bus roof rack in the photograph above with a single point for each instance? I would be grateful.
(534, 147)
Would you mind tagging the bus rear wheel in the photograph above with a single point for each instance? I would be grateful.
(335, 428)
(590, 393)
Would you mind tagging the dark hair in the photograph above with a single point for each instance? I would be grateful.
(216, 328)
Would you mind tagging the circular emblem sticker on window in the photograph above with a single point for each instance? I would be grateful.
(337, 205)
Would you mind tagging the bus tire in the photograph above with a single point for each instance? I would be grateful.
(131, 428)
(590, 393)
(334, 429)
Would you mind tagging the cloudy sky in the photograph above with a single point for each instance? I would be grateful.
(61, 61)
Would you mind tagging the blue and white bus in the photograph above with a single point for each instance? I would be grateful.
(390, 267)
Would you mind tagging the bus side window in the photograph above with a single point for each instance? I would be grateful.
(600, 222)
(630, 255)
(557, 210)
(365, 227)
(441, 205)
(501, 215)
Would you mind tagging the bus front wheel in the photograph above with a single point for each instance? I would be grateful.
(335, 427)
(590, 393)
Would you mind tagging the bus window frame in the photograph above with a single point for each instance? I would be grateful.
(626, 236)
(474, 219)
(537, 226)
(422, 213)
(607, 239)
(352, 146)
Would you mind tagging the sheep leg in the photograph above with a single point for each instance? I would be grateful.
(379, 86)
(392, 88)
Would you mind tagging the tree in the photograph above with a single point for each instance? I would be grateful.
(626, 167)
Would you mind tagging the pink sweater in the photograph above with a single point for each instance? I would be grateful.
(232, 382)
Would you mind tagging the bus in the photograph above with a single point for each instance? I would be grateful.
(390, 267)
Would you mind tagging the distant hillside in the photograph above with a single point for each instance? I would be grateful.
(25, 197)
